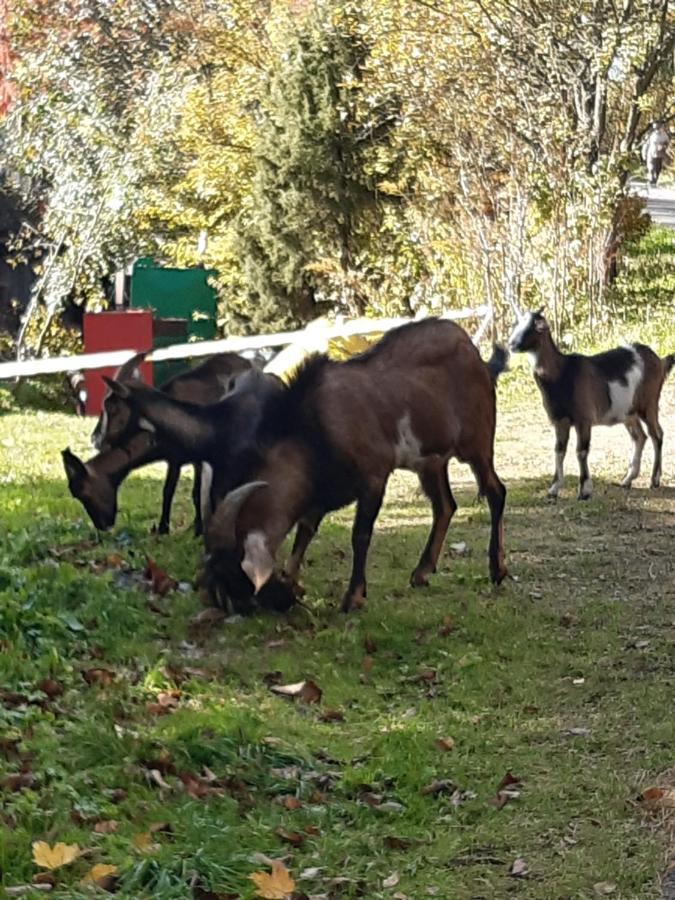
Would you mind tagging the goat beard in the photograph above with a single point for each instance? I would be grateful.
(212, 581)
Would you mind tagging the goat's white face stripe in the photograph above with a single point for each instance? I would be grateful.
(408, 450)
(521, 327)
(621, 395)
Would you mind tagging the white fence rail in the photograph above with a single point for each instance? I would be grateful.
(316, 332)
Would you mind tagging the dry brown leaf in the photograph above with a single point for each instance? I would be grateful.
(161, 583)
(446, 627)
(289, 837)
(391, 881)
(114, 561)
(508, 780)
(106, 826)
(658, 798)
(369, 645)
(291, 802)
(367, 664)
(307, 691)
(397, 843)
(50, 687)
(439, 786)
(103, 677)
(444, 743)
(332, 715)
(206, 617)
(60, 854)
(519, 868)
(277, 885)
(18, 781)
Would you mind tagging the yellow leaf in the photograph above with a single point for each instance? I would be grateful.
(52, 857)
(144, 842)
(275, 886)
(97, 872)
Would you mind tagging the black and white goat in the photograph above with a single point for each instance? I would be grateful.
(618, 386)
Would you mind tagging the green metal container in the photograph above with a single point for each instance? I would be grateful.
(175, 294)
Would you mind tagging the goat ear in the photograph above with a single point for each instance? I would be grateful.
(257, 562)
(116, 387)
(76, 471)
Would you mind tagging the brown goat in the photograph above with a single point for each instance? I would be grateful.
(620, 385)
(419, 397)
(118, 425)
(95, 482)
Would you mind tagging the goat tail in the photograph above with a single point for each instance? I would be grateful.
(498, 361)
(668, 363)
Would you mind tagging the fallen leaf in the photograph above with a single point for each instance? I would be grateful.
(60, 854)
(98, 874)
(518, 868)
(439, 786)
(332, 715)
(446, 627)
(391, 881)
(307, 691)
(114, 561)
(294, 838)
(290, 802)
(144, 842)
(508, 780)
(118, 795)
(106, 826)
(20, 890)
(103, 677)
(444, 743)
(18, 781)
(369, 645)
(603, 888)
(275, 886)
(161, 583)
(206, 617)
(658, 798)
(50, 687)
(578, 732)
(397, 843)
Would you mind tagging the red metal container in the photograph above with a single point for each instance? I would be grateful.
(117, 330)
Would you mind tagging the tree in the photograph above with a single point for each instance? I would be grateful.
(324, 143)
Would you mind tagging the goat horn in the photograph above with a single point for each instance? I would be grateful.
(128, 370)
(224, 519)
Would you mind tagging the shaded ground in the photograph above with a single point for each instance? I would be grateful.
(564, 677)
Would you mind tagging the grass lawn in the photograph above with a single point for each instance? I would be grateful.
(157, 746)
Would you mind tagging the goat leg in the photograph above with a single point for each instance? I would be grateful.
(639, 439)
(656, 434)
(562, 434)
(583, 446)
(367, 508)
(435, 484)
(172, 476)
(307, 528)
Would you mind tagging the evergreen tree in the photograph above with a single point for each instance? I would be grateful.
(323, 143)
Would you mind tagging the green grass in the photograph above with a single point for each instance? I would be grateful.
(495, 670)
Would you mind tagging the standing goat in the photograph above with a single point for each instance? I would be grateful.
(620, 385)
(419, 397)
(118, 424)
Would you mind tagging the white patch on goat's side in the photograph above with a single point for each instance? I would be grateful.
(622, 396)
(205, 493)
(521, 327)
(408, 450)
(258, 562)
(146, 425)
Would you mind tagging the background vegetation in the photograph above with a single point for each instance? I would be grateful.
(357, 157)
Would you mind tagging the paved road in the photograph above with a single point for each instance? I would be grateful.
(660, 201)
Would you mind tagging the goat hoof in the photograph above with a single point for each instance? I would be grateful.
(353, 601)
(159, 529)
(418, 579)
(655, 483)
(498, 576)
(581, 496)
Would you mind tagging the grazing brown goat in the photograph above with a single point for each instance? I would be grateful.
(419, 397)
(118, 424)
(95, 482)
(620, 385)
